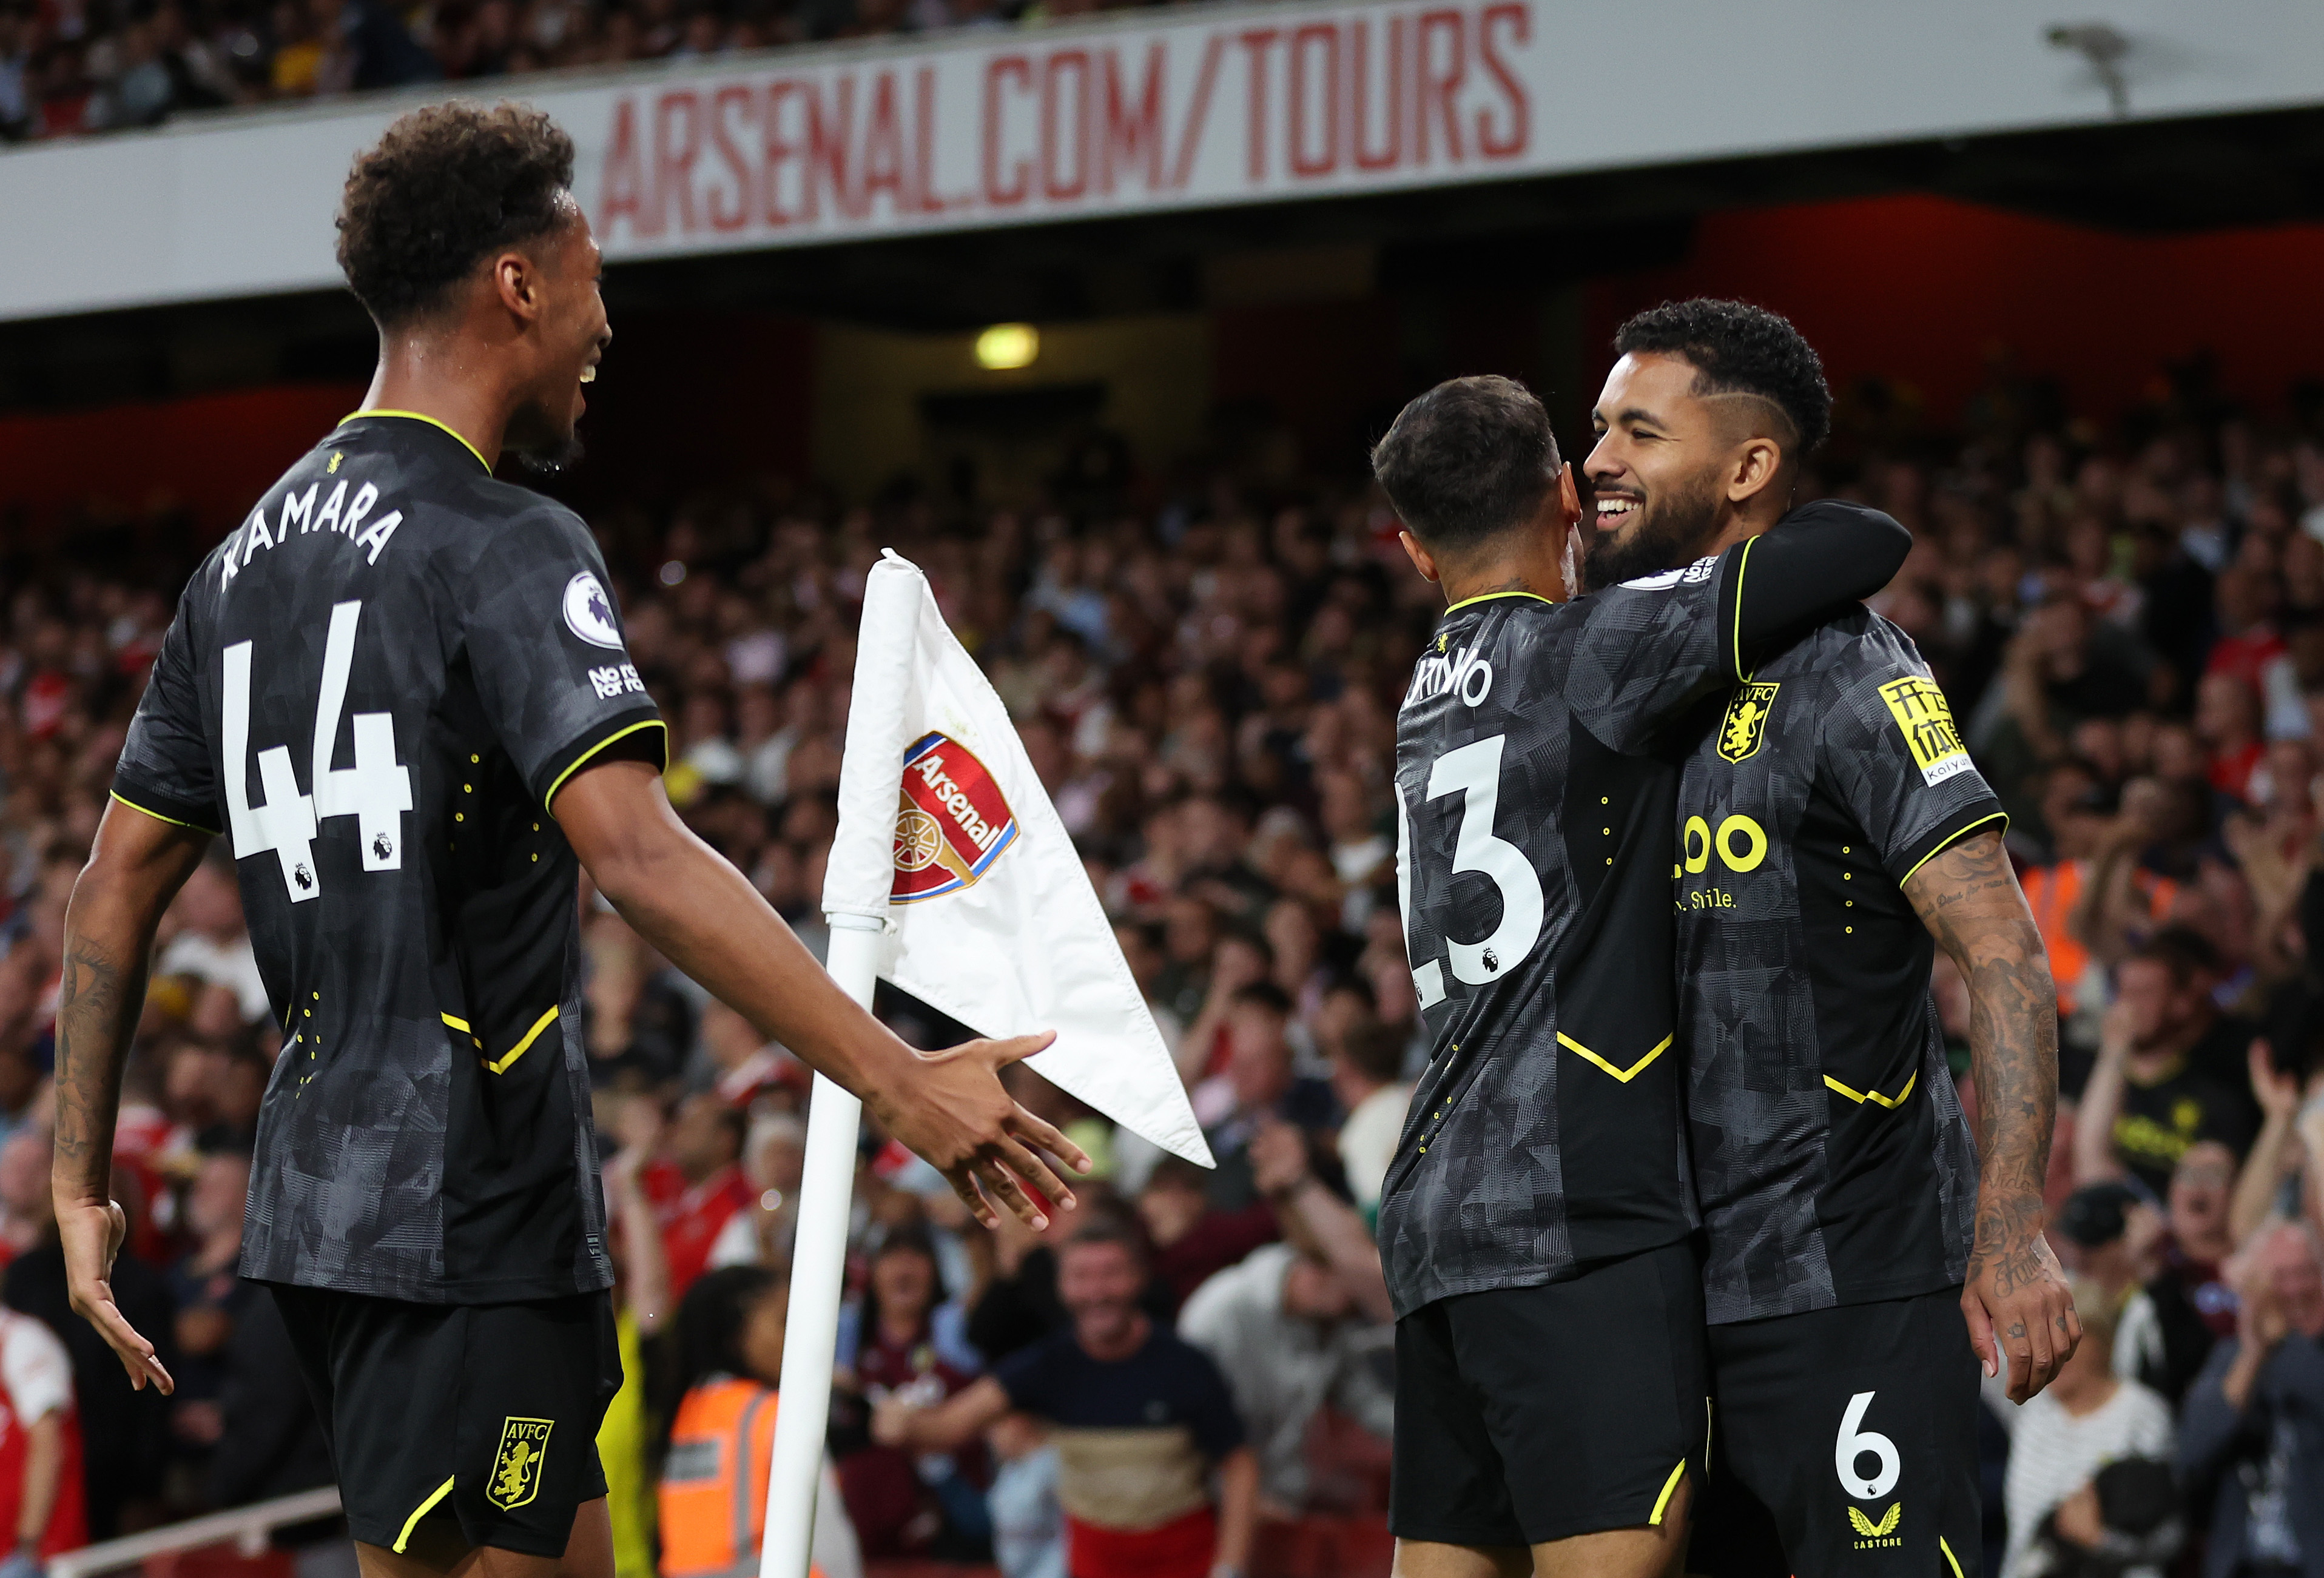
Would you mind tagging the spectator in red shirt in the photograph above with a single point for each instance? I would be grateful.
(40, 1447)
(2226, 720)
(1192, 1240)
(697, 1184)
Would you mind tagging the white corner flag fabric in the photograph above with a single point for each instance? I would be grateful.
(992, 919)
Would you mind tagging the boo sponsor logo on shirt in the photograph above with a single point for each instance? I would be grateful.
(1927, 724)
(589, 612)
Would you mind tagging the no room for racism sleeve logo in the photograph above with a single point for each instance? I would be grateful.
(951, 822)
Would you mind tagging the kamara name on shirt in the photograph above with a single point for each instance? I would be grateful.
(340, 514)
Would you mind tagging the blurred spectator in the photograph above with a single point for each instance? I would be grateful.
(2154, 1091)
(212, 944)
(774, 1159)
(124, 1432)
(211, 1299)
(1018, 1305)
(2168, 1326)
(40, 1483)
(1141, 1420)
(722, 1433)
(905, 1339)
(2252, 1439)
(2086, 1418)
(2124, 1523)
(1259, 1084)
(697, 1184)
(269, 1442)
(1288, 1337)
(1192, 1239)
(1028, 1526)
(1367, 1077)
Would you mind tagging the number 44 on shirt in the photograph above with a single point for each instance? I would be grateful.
(376, 791)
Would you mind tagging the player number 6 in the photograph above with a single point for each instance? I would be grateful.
(1853, 1444)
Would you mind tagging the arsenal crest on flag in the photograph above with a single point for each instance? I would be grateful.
(991, 919)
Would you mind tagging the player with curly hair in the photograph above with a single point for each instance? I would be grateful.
(1832, 833)
(400, 689)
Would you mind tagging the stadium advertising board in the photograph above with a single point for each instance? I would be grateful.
(1194, 106)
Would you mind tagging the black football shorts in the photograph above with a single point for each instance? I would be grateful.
(484, 1416)
(1844, 1441)
(1532, 1414)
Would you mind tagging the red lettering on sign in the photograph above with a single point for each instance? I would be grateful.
(883, 148)
(1021, 182)
(779, 150)
(1133, 130)
(624, 180)
(924, 142)
(1198, 114)
(1306, 164)
(1440, 89)
(1065, 125)
(1512, 143)
(1359, 87)
(678, 138)
(1256, 43)
(827, 143)
(733, 97)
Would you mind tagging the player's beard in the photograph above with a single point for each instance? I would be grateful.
(1671, 531)
(550, 455)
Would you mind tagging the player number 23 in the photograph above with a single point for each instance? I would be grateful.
(376, 791)
(1854, 1445)
(1474, 773)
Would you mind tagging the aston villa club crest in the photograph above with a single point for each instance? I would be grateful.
(1745, 725)
(951, 822)
(516, 1467)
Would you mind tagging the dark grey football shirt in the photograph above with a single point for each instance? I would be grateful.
(375, 688)
(1536, 818)
(1830, 1156)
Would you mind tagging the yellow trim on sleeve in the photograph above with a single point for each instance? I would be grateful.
(1861, 1096)
(1489, 596)
(501, 1064)
(1999, 816)
(454, 1021)
(157, 816)
(1950, 1560)
(1624, 1075)
(421, 417)
(1662, 1502)
(1742, 562)
(420, 1512)
(547, 800)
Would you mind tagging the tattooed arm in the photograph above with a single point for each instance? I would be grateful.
(1968, 898)
(137, 866)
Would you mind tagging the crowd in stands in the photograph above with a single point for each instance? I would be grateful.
(72, 67)
(2130, 622)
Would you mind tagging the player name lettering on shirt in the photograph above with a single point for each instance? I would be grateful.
(613, 679)
(1465, 671)
(353, 515)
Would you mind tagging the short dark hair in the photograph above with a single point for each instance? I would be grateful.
(1467, 460)
(2182, 950)
(1736, 348)
(1264, 994)
(1376, 1052)
(444, 187)
(1105, 1228)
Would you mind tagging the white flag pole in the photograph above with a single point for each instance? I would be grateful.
(871, 773)
(818, 1278)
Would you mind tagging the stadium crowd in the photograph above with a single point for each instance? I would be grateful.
(72, 67)
(2129, 622)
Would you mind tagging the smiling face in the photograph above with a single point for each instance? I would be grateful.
(568, 333)
(1655, 470)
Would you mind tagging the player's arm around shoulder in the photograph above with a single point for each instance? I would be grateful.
(2015, 1297)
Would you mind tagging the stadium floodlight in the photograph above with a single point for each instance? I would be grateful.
(1004, 346)
(2104, 47)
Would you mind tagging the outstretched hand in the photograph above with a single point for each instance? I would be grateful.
(93, 1236)
(952, 1111)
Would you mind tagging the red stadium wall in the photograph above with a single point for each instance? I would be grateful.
(1925, 290)
(212, 454)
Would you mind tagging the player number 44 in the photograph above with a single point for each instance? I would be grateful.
(376, 791)
(1473, 771)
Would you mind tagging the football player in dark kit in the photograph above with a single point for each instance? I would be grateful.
(1832, 833)
(1535, 1222)
(400, 689)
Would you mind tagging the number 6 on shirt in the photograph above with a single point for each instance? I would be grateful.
(1474, 770)
(376, 791)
